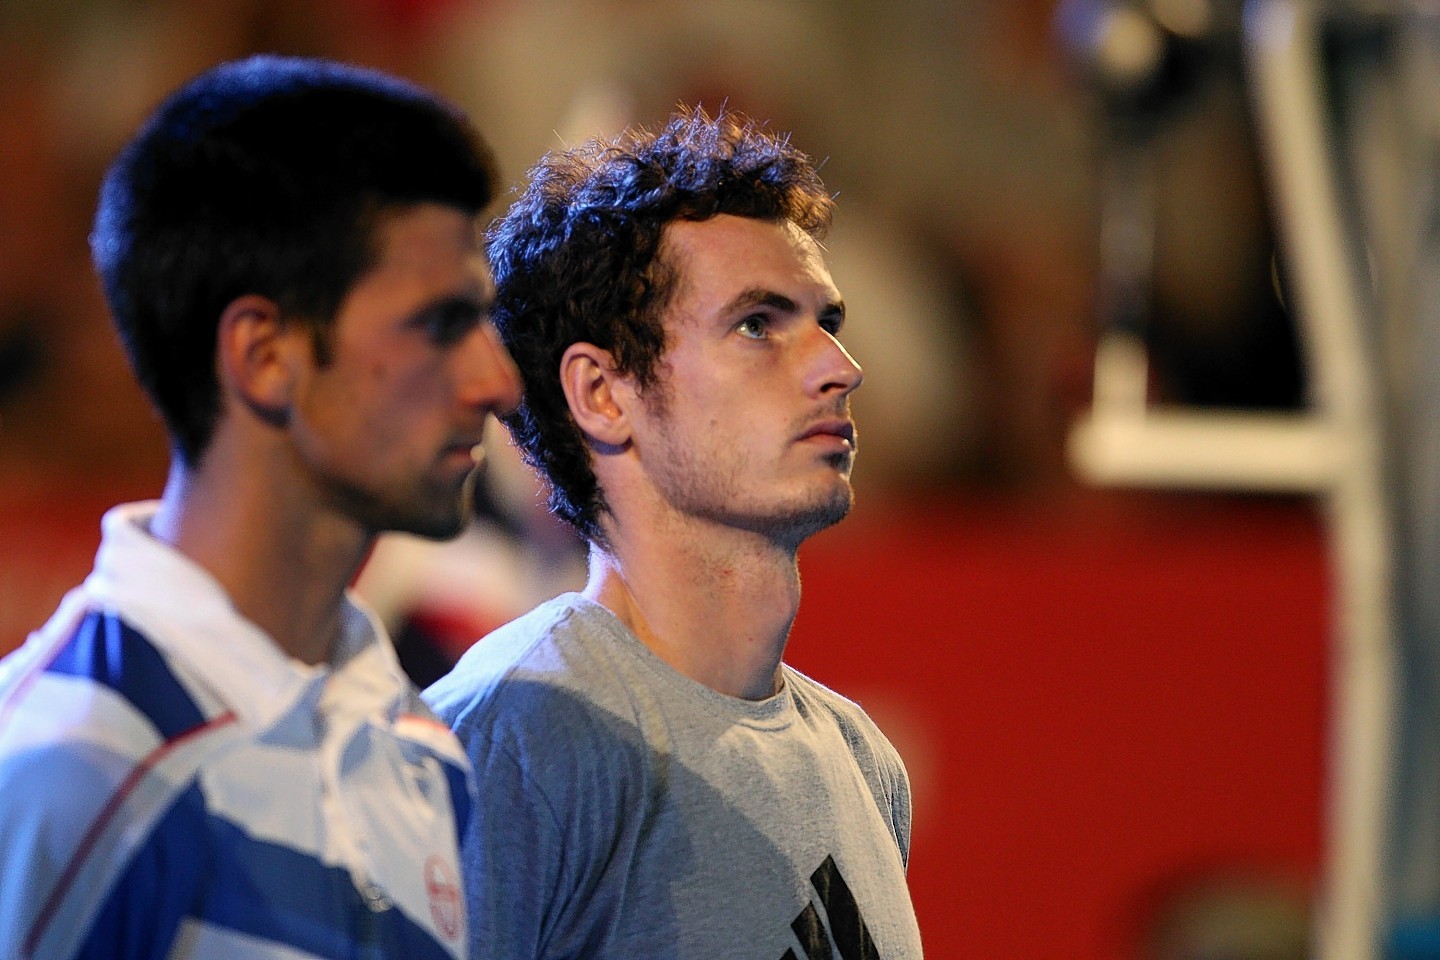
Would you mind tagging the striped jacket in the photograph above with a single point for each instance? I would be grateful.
(172, 785)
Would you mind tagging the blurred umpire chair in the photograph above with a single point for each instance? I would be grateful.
(1347, 103)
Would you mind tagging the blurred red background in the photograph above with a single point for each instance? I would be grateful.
(1110, 702)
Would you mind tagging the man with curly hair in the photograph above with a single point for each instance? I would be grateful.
(656, 782)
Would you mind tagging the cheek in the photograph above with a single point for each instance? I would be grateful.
(391, 405)
(420, 399)
(405, 379)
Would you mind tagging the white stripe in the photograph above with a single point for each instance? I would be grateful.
(70, 709)
(198, 940)
(126, 828)
(271, 789)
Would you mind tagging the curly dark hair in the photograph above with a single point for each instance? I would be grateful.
(576, 259)
(265, 176)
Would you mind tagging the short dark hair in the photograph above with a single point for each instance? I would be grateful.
(264, 176)
(575, 260)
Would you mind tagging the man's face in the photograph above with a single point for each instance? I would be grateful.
(384, 430)
(749, 425)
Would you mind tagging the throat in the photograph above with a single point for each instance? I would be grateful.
(722, 626)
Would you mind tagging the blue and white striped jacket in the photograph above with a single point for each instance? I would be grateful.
(172, 785)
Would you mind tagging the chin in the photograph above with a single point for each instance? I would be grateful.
(432, 519)
(443, 514)
(435, 528)
(798, 522)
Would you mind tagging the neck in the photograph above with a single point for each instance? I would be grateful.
(715, 604)
(284, 565)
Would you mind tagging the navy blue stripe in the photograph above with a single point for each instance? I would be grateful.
(110, 652)
(199, 865)
(277, 893)
(154, 894)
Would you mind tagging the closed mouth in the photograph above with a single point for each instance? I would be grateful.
(474, 449)
(843, 429)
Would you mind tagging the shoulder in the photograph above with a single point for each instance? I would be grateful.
(97, 737)
(540, 691)
(96, 687)
(530, 663)
(89, 705)
(871, 750)
(95, 678)
(813, 699)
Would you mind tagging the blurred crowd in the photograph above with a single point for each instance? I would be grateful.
(964, 146)
(967, 149)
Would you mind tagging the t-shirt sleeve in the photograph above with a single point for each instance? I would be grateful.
(889, 781)
(545, 852)
(510, 858)
(878, 760)
(900, 804)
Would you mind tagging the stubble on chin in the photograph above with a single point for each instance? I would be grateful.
(432, 514)
(802, 523)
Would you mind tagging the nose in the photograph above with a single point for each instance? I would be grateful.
(491, 380)
(833, 371)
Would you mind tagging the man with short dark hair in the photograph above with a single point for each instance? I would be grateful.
(211, 750)
(657, 782)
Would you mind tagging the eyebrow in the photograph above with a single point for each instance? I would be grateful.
(760, 297)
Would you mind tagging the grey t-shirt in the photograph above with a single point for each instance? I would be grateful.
(628, 812)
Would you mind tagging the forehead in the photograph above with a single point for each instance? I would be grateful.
(718, 259)
(430, 244)
(425, 255)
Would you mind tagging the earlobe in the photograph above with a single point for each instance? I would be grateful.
(256, 357)
(595, 393)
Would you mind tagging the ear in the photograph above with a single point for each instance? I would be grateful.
(257, 356)
(598, 396)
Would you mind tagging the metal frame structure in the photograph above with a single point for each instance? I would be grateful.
(1349, 154)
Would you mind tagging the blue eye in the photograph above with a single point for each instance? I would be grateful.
(754, 327)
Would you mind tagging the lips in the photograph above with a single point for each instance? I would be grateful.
(470, 449)
(840, 429)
